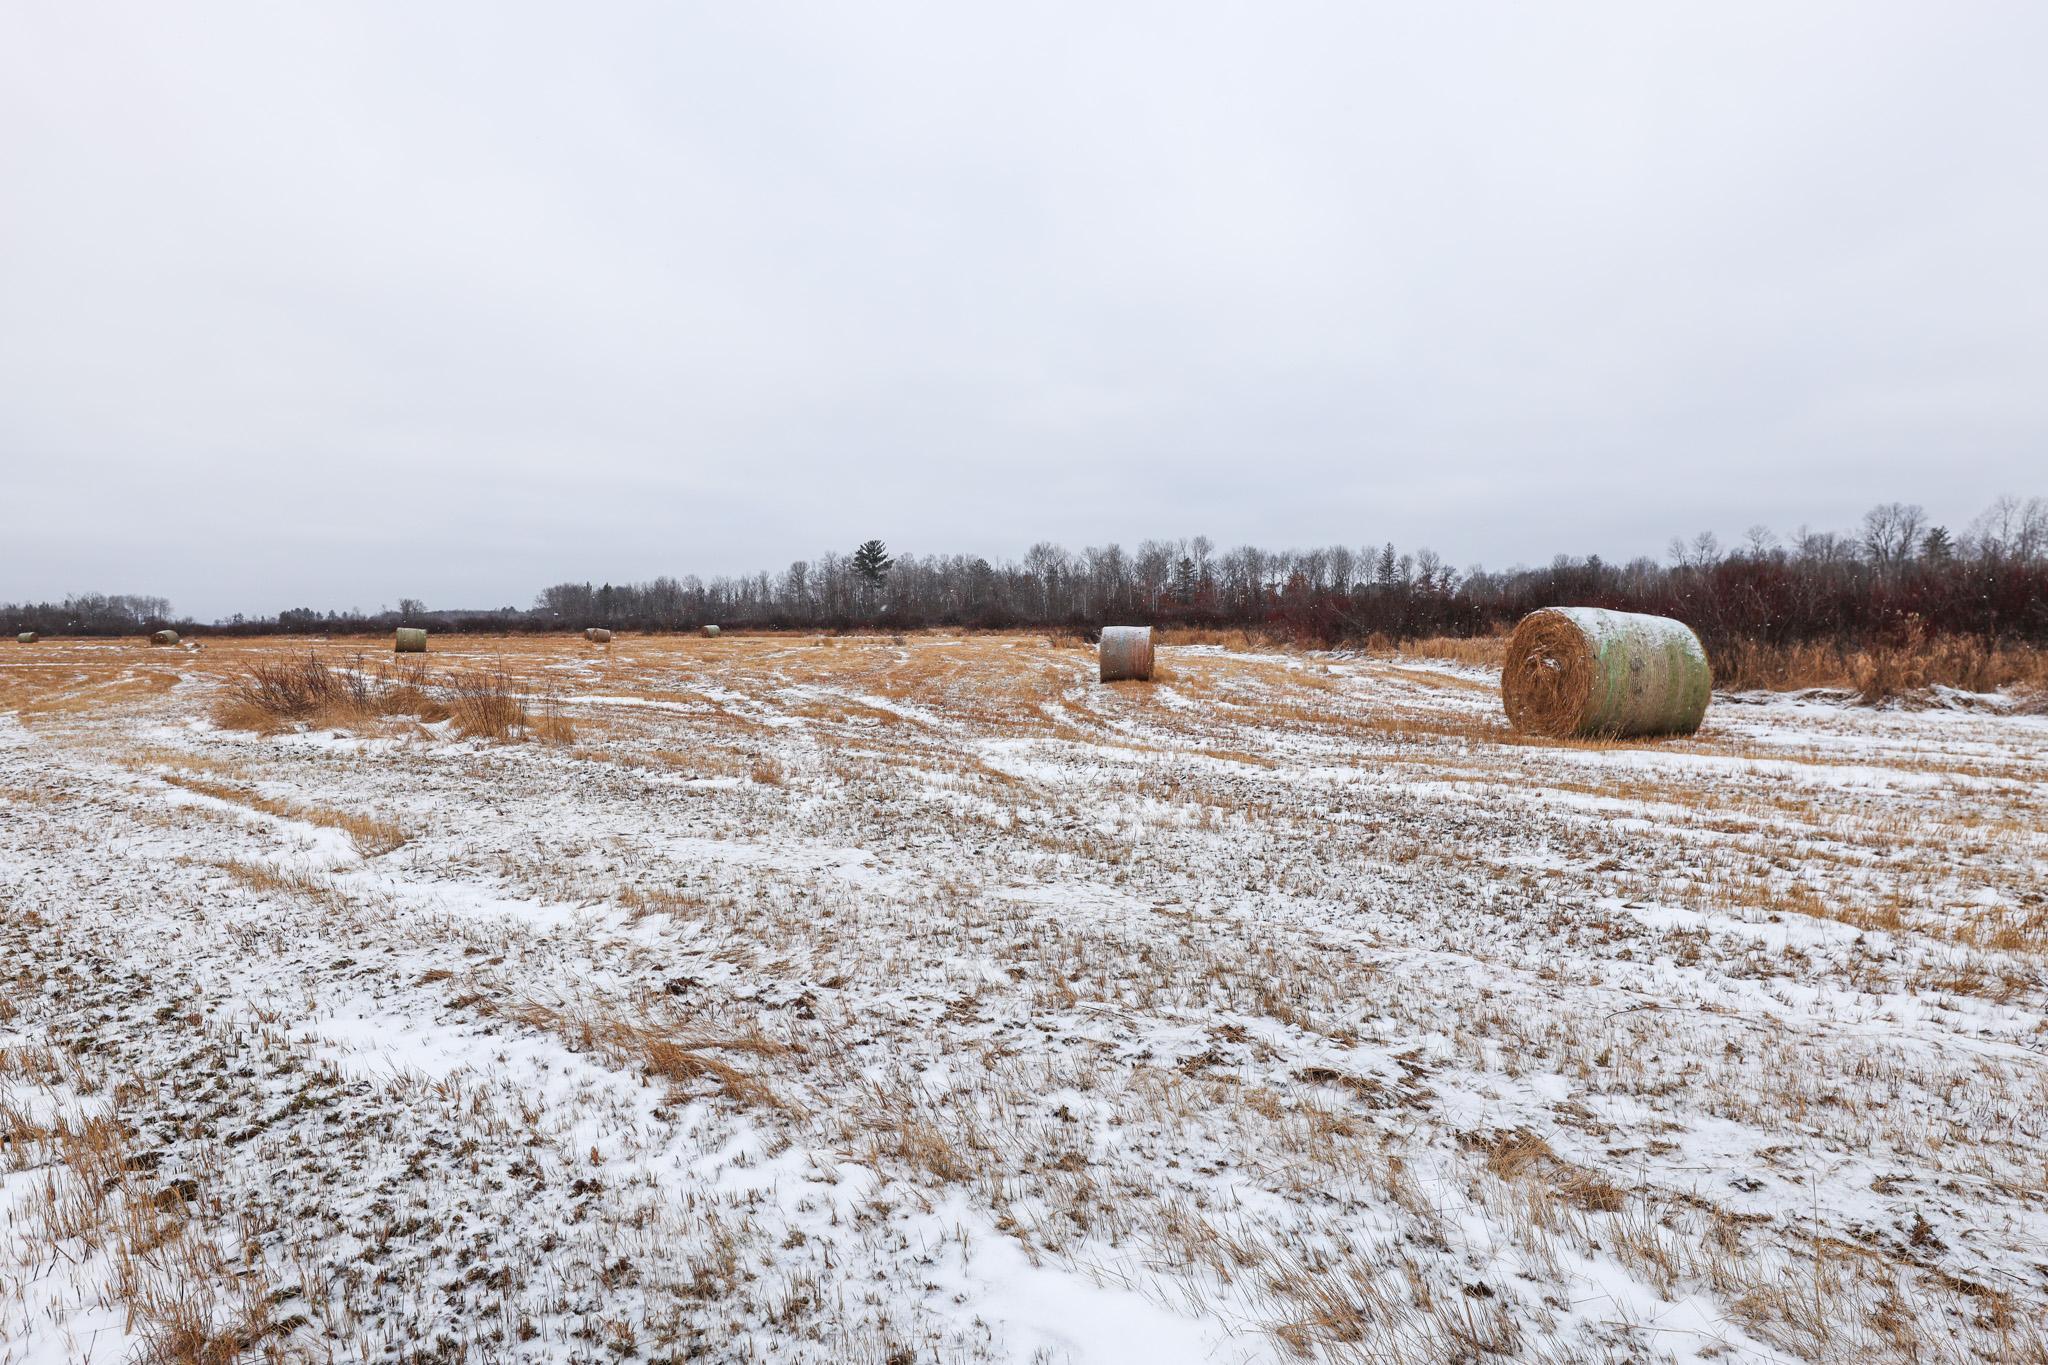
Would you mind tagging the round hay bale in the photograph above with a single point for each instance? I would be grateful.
(164, 637)
(598, 635)
(28, 637)
(1125, 652)
(409, 640)
(1586, 671)
(711, 632)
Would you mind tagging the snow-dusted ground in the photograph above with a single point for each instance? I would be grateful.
(874, 1002)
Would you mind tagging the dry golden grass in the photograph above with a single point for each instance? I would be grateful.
(1198, 635)
(269, 880)
(680, 1061)
(1884, 672)
(272, 694)
(370, 835)
(640, 902)
(1481, 651)
(84, 680)
(1519, 1154)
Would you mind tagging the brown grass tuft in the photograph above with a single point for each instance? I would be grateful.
(370, 835)
(678, 1061)
(273, 695)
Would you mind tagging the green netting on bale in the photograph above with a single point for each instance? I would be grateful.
(1587, 671)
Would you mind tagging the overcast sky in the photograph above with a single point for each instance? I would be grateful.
(331, 304)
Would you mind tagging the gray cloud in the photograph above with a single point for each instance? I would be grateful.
(332, 305)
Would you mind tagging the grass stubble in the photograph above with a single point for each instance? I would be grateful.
(1292, 992)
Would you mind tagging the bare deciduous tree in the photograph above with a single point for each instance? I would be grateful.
(1891, 532)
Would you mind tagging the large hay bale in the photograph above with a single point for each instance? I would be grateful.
(1586, 671)
(1125, 652)
(164, 637)
(711, 632)
(28, 637)
(409, 640)
(597, 635)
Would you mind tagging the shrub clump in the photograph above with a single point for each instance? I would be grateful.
(274, 695)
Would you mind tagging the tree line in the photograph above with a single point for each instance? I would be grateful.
(1896, 572)
(91, 613)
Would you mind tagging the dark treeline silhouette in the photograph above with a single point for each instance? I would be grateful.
(1896, 574)
(91, 613)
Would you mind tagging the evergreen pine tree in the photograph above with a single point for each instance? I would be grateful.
(871, 566)
(872, 562)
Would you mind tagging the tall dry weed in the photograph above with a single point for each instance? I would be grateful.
(1478, 651)
(486, 703)
(1901, 668)
(274, 695)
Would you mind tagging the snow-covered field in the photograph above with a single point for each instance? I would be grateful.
(926, 1001)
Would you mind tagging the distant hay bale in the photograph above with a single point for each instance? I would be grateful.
(410, 640)
(164, 637)
(598, 635)
(28, 637)
(711, 632)
(1586, 671)
(1125, 652)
